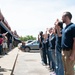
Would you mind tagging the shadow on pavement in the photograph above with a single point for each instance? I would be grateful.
(4, 70)
(34, 51)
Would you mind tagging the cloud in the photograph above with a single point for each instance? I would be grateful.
(32, 16)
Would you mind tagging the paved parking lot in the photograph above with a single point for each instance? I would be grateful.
(29, 63)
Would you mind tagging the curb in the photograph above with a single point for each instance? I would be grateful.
(8, 62)
(14, 65)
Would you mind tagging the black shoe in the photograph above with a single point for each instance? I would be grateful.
(5, 53)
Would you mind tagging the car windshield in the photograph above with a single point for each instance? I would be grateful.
(29, 41)
(34, 42)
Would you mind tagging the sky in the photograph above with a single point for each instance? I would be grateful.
(29, 17)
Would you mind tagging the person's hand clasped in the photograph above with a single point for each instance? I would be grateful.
(72, 57)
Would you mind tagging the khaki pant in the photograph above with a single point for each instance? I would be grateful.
(68, 64)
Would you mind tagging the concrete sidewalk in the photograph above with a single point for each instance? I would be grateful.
(29, 63)
(7, 62)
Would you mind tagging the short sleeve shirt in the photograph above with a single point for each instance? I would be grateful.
(68, 34)
(40, 44)
(52, 41)
(1, 40)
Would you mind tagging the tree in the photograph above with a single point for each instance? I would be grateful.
(28, 37)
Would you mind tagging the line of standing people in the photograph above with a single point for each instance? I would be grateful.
(58, 46)
(4, 43)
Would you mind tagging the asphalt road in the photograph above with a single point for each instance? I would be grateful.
(29, 63)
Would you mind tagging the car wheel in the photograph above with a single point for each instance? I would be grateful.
(27, 49)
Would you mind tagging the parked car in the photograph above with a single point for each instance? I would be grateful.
(34, 45)
(28, 41)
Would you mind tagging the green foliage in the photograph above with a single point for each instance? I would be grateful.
(28, 37)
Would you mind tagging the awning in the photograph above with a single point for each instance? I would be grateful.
(1, 24)
(17, 39)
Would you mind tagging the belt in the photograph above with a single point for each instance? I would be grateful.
(67, 49)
